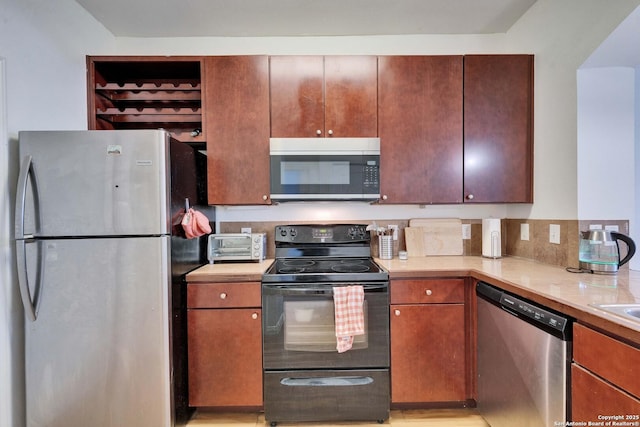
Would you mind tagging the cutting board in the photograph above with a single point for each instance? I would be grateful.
(439, 236)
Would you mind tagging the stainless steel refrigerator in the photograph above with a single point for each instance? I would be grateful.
(101, 262)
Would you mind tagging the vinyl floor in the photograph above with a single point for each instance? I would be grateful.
(398, 418)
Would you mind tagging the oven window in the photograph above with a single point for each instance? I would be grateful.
(314, 172)
(299, 328)
(310, 326)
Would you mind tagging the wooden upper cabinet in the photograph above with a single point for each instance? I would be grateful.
(237, 122)
(316, 96)
(420, 129)
(498, 128)
(351, 96)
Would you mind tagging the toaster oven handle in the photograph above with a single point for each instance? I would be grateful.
(288, 289)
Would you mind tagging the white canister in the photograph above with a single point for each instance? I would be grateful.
(491, 238)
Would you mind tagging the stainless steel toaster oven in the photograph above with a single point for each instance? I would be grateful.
(237, 247)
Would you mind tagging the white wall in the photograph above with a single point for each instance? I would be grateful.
(606, 129)
(607, 163)
(10, 341)
(635, 225)
(43, 44)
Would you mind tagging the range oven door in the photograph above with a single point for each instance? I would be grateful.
(299, 327)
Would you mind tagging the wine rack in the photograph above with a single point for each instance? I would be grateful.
(147, 93)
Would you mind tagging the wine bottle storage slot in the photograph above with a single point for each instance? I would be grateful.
(149, 95)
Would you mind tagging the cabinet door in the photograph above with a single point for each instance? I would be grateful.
(427, 353)
(498, 128)
(237, 123)
(591, 398)
(297, 96)
(351, 96)
(420, 129)
(225, 357)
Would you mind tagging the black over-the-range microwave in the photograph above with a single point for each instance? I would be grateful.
(325, 169)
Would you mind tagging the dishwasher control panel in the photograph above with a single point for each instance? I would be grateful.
(533, 312)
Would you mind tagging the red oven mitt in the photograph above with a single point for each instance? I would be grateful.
(195, 224)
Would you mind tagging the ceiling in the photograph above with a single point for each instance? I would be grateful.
(235, 18)
(256, 18)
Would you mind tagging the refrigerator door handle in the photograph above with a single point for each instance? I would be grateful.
(29, 303)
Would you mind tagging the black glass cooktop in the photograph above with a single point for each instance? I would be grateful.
(324, 269)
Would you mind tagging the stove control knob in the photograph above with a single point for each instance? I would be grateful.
(283, 232)
(293, 232)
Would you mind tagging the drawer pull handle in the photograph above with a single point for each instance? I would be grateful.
(223, 295)
(428, 292)
(254, 316)
(397, 312)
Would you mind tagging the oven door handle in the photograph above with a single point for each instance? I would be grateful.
(285, 289)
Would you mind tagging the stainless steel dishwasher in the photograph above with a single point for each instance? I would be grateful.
(524, 356)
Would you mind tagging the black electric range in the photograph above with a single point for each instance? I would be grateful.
(323, 253)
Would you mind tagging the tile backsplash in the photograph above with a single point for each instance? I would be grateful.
(538, 247)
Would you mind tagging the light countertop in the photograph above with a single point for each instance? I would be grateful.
(551, 286)
(230, 272)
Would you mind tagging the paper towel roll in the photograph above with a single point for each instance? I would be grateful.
(491, 238)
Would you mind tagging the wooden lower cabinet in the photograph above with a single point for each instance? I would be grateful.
(593, 398)
(605, 379)
(429, 351)
(224, 346)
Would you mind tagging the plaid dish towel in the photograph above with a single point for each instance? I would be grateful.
(349, 315)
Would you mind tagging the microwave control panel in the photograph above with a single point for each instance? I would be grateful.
(371, 174)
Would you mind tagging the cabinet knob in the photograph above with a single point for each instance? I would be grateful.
(318, 132)
(428, 292)
(470, 197)
(396, 312)
(254, 316)
(223, 295)
(330, 132)
(265, 197)
(384, 197)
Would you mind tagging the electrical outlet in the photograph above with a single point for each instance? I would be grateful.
(394, 227)
(245, 230)
(524, 231)
(611, 227)
(466, 231)
(554, 233)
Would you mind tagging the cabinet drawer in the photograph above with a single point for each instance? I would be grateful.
(224, 295)
(607, 357)
(591, 397)
(427, 291)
